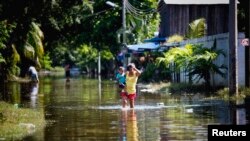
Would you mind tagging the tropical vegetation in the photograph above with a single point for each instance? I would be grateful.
(55, 32)
(195, 59)
(196, 29)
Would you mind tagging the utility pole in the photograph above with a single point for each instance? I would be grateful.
(124, 28)
(99, 63)
(124, 22)
(233, 57)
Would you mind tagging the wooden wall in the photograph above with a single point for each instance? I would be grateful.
(175, 18)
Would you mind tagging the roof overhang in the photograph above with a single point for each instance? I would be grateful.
(143, 47)
(156, 39)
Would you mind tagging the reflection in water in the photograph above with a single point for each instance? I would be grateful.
(240, 116)
(29, 95)
(33, 94)
(67, 87)
(247, 105)
(99, 88)
(123, 126)
(132, 129)
(67, 84)
(240, 112)
(89, 111)
(33, 89)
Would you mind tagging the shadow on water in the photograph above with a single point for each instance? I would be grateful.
(90, 110)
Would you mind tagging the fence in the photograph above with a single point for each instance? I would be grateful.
(222, 42)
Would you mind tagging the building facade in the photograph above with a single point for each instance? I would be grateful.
(177, 15)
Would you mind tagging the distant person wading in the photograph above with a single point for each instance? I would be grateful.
(33, 74)
(67, 72)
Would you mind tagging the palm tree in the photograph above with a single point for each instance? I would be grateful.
(201, 64)
(33, 48)
(198, 61)
(196, 29)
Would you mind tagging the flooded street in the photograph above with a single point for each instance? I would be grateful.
(86, 110)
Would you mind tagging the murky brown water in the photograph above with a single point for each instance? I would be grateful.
(86, 110)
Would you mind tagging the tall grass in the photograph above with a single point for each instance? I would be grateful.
(15, 122)
(242, 93)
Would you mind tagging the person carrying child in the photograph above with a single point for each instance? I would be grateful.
(121, 78)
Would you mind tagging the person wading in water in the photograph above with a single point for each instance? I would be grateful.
(132, 75)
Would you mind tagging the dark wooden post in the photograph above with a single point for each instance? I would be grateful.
(233, 38)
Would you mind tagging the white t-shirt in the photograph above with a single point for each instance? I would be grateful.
(32, 70)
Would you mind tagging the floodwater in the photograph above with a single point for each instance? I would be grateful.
(90, 110)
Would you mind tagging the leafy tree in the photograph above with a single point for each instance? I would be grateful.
(66, 25)
(31, 50)
(5, 61)
(46, 62)
(243, 16)
(142, 20)
(5, 30)
(86, 57)
(54, 16)
(104, 28)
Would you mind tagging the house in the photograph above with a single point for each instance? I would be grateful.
(176, 15)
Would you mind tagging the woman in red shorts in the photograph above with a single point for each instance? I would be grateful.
(132, 75)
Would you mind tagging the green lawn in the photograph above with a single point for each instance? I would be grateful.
(16, 123)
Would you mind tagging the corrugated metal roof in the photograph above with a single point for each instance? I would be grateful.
(198, 2)
(143, 46)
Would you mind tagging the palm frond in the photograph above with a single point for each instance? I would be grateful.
(29, 51)
(35, 37)
(175, 38)
(15, 55)
(197, 29)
